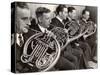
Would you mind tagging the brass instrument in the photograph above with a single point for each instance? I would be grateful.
(41, 52)
(61, 36)
(91, 29)
(73, 27)
(73, 33)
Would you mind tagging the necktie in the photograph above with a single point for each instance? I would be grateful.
(21, 41)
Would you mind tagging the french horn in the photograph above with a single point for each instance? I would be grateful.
(64, 37)
(41, 52)
(91, 29)
(61, 36)
(73, 28)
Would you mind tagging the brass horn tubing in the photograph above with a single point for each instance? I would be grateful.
(31, 45)
(34, 49)
(44, 38)
(31, 56)
(40, 47)
(47, 39)
(46, 64)
(33, 52)
(43, 52)
(39, 58)
(39, 50)
(34, 30)
(40, 43)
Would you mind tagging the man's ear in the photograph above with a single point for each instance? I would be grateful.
(60, 13)
(83, 15)
(69, 13)
(40, 19)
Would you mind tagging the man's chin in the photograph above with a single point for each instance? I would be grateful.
(48, 26)
(25, 30)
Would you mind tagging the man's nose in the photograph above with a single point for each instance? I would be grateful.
(66, 15)
(29, 23)
(50, 21)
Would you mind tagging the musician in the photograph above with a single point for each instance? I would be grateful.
(90, 38)
(22, 23)
(44, 19)
(61, 14)
(81, 41)
(72, 24)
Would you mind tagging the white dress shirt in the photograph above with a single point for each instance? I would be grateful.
(17, 38)
(60, 19)
(43, 29)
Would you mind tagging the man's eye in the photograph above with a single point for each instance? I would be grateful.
(25, 18)
(47, 18)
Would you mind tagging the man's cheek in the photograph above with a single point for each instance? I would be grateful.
(22, 28)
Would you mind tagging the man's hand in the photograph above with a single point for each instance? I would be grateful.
(85, 36)
(66, 31)
(51, 34)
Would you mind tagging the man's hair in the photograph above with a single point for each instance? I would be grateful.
(84, 11)
(40, 10)
(60, 8)
(70, 9)
(22, 5)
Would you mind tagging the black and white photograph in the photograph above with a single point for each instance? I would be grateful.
(53, 37)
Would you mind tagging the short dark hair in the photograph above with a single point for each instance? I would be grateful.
(40, 10)
(22, 5)
(60, 8)
(84, 11)
(70, 9)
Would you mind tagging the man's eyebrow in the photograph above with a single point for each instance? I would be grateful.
(24, 17)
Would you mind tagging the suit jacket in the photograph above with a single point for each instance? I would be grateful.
(21, 67)
(67, 51)
(57, 23)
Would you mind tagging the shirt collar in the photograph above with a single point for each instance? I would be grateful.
(42, 28)
(17, 35)
(84, 20)
(59, 19)
(17, 38)
(69, 19)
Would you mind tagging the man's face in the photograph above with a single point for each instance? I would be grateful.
(86, 15)
(72, 14)
(65, 13)
(45, 20)
(23, 20)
